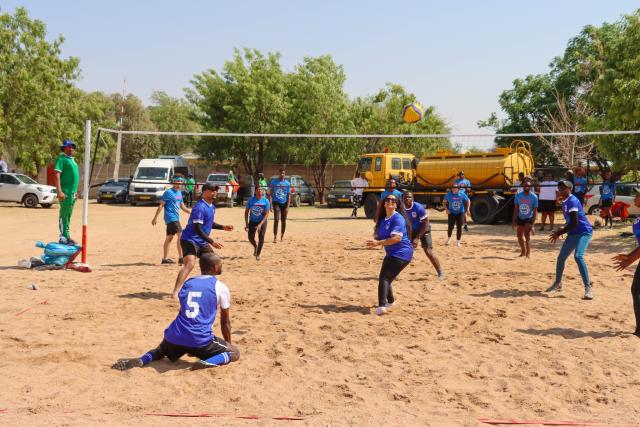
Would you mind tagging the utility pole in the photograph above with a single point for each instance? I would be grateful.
(116, 169)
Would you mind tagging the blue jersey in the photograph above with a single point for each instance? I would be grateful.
(395, 225)
(463, 184)
(203, 214)
(636, 230)
(607, 190)
(456, 202)
(199, 300)
(579, 185)
(395, 192)
(526, 204)
(172, 200)
(416, 214)
(280, 190)
(258, 208)
(572, 204)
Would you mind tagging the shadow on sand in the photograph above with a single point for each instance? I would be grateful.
(332, 308)
(146, 295)
(571, 334)
(515, 293)
(132, 264)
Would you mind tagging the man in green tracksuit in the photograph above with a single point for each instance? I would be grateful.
(190, 184)
(67, 178)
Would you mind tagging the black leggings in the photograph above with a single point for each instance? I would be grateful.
(279, 209)
(457, 220)
(391, 267)
(635, 294)
(253, 227)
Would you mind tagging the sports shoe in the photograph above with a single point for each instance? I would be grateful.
(201, 364)
(390, 306)
(167, 261)
(441, 276)
(448, 241)
(255, 251)
(381, 310)
(556, 287)
(588, 293)
(458, 243)
(125, 364)
(180, 261)
(257, 257)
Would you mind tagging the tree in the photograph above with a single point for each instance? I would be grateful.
(249, 96)
(320, 105)
(136, 117)
(38, 100)
(173, 114)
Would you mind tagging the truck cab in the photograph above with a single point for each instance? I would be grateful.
(380, 167)
(153, 176)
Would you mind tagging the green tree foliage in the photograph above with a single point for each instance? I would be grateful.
(382, 114)
(320, 105)
(173, 114)
(249, 96)
(38, 100)
(136, 117)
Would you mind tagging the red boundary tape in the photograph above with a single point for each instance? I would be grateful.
(21, 312)
(535, 422)
(210, 414)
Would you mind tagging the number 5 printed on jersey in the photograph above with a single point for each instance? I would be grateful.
(195, 307)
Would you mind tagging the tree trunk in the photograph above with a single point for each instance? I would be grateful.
(319, 177)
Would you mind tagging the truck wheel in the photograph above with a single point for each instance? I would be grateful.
(132, 203)
(483, 209)
(371, 204)
(30, 201)
(296, 201)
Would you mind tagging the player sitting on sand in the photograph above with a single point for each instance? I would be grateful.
(191, 331)
(195, 237)
(525, 211)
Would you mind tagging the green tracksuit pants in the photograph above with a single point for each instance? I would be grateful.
(66, 210)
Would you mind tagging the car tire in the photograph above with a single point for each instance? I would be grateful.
(132, 203)
(595, 210)
(99, 201)
(312, 201)
(296, 201)
(46, 205)
(30, 200)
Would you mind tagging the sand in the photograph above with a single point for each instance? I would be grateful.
(485, 343)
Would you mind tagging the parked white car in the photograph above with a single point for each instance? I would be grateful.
(624, 193)
(225, 189)
(19, 188)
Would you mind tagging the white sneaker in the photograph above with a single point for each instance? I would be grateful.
(381, 310)
(458, 244)
(391, 306)
(441, 276)
(448, 241)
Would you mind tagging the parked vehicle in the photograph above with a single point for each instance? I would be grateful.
(19, 188)
(301, 191)
(624, 193)
(114, 191)
(491, 175)
(247, 189)
(225, 189)
(153, 176)
(340, 194)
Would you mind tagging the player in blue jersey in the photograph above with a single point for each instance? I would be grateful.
(623, 261)
(421, 230)
(463, 186)
(525, 211)
(580, 185)
(279, 198)
(392, 231)
(191, 332)
(456, 205)
(255, 219)
(391, 188)
(195, 238)
(579, 232)
(607, 197)
(172, 202)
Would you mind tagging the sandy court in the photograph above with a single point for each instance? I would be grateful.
(484, 343)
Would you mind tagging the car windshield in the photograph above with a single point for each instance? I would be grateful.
(25, 179)
(156, 174)
(218, 177)
(117, 183)
(339, 185)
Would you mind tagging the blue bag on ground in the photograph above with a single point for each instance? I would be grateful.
(57, 253)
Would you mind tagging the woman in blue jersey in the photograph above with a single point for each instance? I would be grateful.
(456, 204)
(623, 261)
(525, 211)
(255, 219)
(607, 197)
(392, 230)
(580, 187)
(579, 232)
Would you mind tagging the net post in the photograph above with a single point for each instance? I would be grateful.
(85, 187)
(116, 169)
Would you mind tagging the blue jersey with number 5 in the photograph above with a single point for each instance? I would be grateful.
(198, 305)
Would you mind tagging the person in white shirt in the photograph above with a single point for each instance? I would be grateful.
(547, 200)
(358, 184)
(3, 165)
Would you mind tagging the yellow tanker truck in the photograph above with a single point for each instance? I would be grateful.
(491, 174)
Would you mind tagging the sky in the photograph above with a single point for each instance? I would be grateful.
(455, 55)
